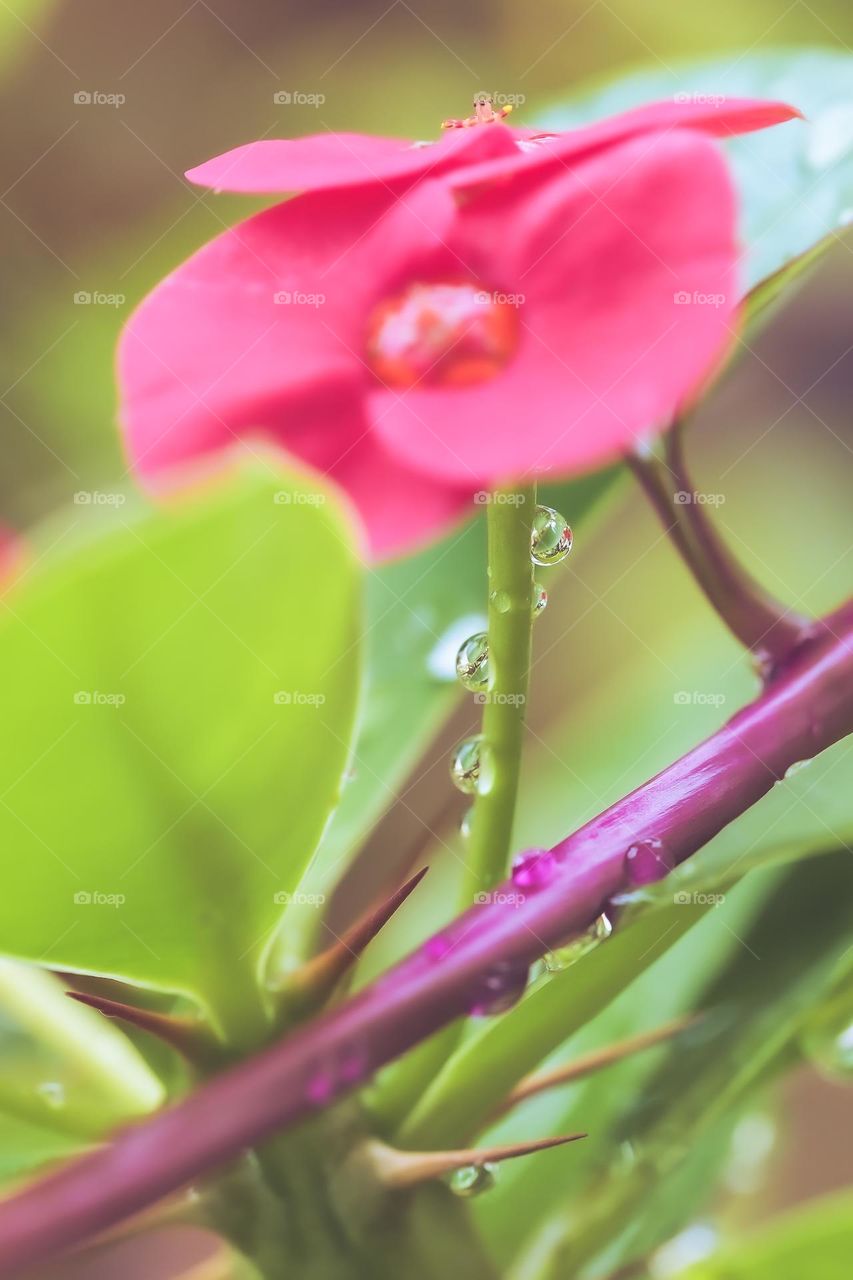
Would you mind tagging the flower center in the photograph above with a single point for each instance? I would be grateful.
(446, 334)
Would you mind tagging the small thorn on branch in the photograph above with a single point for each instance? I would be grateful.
(397, 1170)
(595, 1061)
(190, 1038)
(310, 986)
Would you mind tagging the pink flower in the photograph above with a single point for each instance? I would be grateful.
(331, 161)
(417, 349)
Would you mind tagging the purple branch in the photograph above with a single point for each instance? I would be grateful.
(806, 706)
(755, 618)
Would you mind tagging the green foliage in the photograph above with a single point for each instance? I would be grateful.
(182, 689)
(814, 1241)
(795, 180)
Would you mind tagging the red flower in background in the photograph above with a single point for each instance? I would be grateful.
(417, 348)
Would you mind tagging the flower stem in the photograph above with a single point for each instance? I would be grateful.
(761, 623)
(509, 520)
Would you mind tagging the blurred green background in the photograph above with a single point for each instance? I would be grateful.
(94, 202)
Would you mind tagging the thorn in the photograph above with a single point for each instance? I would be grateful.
(595, 1061)
(191, 1039)
(399, 1169)
(313, 983)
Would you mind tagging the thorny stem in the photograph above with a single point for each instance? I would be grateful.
(806, 708)
(509, 518)
(761, 623)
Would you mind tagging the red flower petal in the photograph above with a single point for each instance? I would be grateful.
(603, 254)
(328, 160)
(710, 114)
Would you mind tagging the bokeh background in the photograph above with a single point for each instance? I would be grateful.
(93, 202)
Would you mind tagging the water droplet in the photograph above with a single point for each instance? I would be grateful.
(444, 333)
(501, 988)
(321, 1087)
(501, 601)
(466, 822)
(540, 600)
(795, 768)
(473, 1179)
(472, 663)
(53, 1094)
(344, 1068)
(441, 661)
(437, 947)
(828, 1044)
(472, 766)
(564, 957)
(550, 537)
(648, 861)
(534, 869)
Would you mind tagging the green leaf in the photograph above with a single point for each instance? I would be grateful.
(795, 180)
(63, 1066)
(178, 699)
(782, 967)
(815, 1241)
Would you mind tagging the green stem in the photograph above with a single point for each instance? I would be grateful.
(509, 519)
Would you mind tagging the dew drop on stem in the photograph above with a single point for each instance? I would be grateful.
(472, 663)
(550, 537)
(472, 766)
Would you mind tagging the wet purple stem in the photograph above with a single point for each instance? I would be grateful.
(806, 706)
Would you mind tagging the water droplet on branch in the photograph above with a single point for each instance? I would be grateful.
(473, 1179)
(534, 869)
(562, 958)
(648, 861)
(501, 988)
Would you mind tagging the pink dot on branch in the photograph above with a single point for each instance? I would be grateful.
(416, 348)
